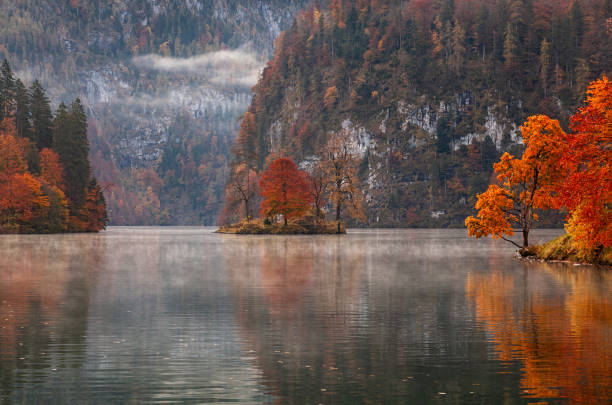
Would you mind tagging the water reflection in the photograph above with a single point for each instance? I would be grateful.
(560, 333)
(44, 294)
(185, 315)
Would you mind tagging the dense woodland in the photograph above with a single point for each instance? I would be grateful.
(160, 140)
(46, 184)
(431, 93)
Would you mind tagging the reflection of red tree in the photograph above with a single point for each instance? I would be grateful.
(285, 276)
(294, 279)
(563, 344)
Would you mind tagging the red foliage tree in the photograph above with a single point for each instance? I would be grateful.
(51, 169)
(586, 191)
(285, 190)
(12, 153)
(22, 203)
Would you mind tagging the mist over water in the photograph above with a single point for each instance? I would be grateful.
(377, 316)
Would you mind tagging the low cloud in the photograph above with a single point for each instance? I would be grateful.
(238, 67)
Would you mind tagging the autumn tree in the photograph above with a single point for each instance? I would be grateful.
(525, 184)
(245, 147)
(94, 209)
(22, 203)
(340, 165)
(12, 159)
(51, 169)
(319, 186)
(586, 190)
(285, 190)
(242, 189)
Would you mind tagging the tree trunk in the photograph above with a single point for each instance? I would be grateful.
(285, 220)
(525, 238)
(338, 212)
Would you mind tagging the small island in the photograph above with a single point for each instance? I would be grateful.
(302, 226)
(293, 201)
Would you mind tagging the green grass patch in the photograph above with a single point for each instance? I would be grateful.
(561, 248)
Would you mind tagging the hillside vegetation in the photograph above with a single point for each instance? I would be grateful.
(429, 93)
(163, 82)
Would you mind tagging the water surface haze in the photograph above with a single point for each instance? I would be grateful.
(376, 316)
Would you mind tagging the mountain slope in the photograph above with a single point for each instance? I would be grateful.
(164, 83)
(429, 92)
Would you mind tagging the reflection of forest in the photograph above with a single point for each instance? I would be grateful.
(562, 339)
(332, 320)
(44, 306)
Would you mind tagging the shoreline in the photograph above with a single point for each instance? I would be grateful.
(561, 250)
(292, 228)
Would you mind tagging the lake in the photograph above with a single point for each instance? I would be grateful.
(375, 316)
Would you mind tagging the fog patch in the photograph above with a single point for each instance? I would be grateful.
(238, 67)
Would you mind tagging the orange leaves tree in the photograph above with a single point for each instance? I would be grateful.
(525, 184)
(285, 190)
(586, 189)
(340, 165)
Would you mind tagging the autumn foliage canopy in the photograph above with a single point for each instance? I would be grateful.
(570, 171)
(37, 193)
(285, 190)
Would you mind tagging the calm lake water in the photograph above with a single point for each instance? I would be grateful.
(376, 316)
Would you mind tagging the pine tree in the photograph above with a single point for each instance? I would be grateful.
(447, 11)
(7, 91)
(457, 57)
(544, 64)
(577, 24)
(22, 112)
(510, 46)
(482, 29)
(72, 146)
(42, 118)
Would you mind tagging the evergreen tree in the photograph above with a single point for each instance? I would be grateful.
(457, 57)
(72, 146)
(22, 112)
(577, 24)
(482, 29)
(510, 46)
(42, 118)
(447, 11)
(544, 64)
(7, 91)
(489, 153)
(443, 135)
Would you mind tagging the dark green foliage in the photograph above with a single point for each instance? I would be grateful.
(42, 119)
(72, 146)
(443, 135)
(7, 91)
(22, 111)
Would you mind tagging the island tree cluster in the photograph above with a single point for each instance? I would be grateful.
(285, 192)
(439, 86)
(46, 184)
